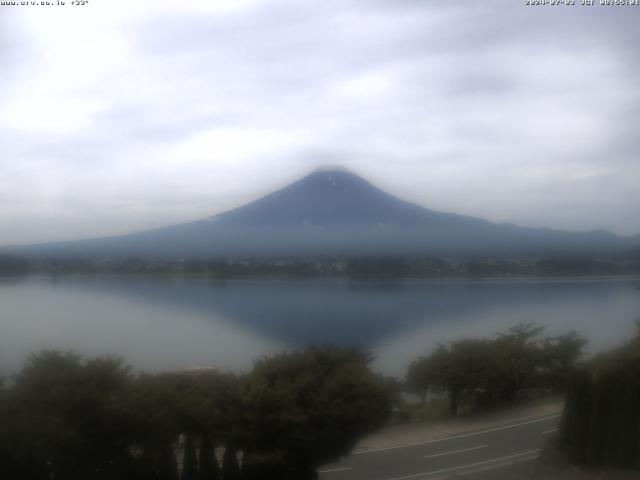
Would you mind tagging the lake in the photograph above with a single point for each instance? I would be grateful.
(159, 323)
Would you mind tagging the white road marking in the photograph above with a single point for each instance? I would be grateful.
(453, 452)
(496, 466)
(499, 460)
(546, 432)
(334, 470)
(456, 437)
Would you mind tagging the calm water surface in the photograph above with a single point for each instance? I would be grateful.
(160, 323)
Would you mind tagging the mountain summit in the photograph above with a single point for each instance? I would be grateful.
(327, 198)
(335, 212)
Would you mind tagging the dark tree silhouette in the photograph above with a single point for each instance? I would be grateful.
(189, 460)
(601, 421)
(230, 467)
(209, 468)
(71, 419)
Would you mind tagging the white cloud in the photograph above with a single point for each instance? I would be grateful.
(120, 116)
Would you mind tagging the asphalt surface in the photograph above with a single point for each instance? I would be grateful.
(505, 452)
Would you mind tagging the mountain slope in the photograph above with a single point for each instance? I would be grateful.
(333, 198)
(334, 212)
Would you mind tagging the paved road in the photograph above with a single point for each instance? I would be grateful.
(505, 452)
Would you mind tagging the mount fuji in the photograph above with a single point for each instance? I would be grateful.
(335, 212)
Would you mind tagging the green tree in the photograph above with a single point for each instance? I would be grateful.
(465, 366)
(206, 407)
(521, 348)
(560, 358)
(303, 409)
(71, 417)
(152, 407)
(487, 371)
(428, 373)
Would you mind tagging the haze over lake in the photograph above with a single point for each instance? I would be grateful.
(159, 323)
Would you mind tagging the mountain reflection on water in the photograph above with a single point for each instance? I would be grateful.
(172, 322)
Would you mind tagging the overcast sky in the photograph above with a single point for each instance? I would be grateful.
(120, 116)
